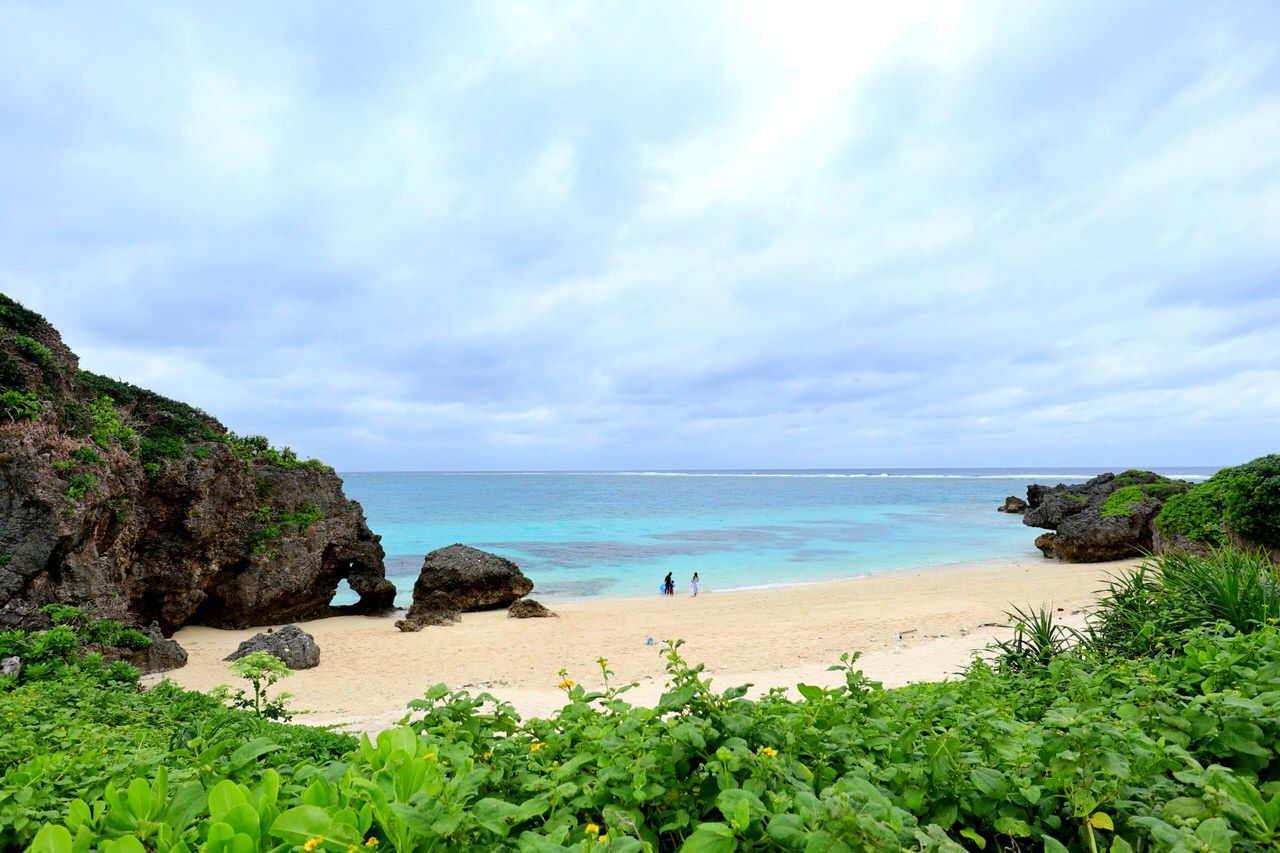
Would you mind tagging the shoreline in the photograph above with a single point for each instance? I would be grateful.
(918, 624)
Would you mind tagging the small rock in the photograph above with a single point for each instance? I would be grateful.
(295, 647)
(527, 608)
(162, 655)
(1013, 504)
(11, 666)
(434, 608)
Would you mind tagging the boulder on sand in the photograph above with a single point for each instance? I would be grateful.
(431, 610)
(294, 647)
(162, 655)
(461, 578)
(527, 608)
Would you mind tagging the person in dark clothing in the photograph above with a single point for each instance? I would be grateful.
(669, 585)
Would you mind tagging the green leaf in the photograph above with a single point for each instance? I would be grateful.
(1101, 820)
(975, 837)
(710, 838)
(788, 830)
(51, 839)
(252, 751)
(301, 823)
(225, 796)
(497, 816)
(187, 804)
(810, 692)
(1054, 846)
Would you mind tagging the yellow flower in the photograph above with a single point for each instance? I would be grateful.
(486, 755)
(372, 842)
(602, 839)
(592, 829)
(536, 745)
(428, 756)
(769, 751)
(566, 684)
(313, 843)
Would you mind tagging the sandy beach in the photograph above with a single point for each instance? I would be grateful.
(915, 625)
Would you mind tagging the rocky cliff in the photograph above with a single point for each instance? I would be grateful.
(139, 508)
(1106, 518)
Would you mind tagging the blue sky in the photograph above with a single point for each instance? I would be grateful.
(663, 235)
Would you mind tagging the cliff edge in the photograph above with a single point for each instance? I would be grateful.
(136, 507)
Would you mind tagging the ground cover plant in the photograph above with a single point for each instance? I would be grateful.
(1172, 745)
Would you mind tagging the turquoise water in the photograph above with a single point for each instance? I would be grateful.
(579, 535)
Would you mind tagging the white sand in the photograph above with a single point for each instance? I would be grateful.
(369, 670)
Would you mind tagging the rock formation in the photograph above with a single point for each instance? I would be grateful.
(139, 508)
(527, 608)
(162, 655)
(1106, 518)
(1013, 504)
(294, 647)
(459, 578)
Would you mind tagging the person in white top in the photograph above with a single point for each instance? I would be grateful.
(693, 585)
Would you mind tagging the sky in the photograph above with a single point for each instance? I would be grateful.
(668, 235)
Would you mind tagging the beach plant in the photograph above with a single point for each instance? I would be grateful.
(1037, 639)
(1142, 609)
(262, 670)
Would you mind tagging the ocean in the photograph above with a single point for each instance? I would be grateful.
(588, 534)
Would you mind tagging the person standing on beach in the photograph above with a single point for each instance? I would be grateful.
(693, 585)
(669, 585)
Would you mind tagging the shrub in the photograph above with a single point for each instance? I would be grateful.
(11, 376)
(1244, 499)
(33, 348)
(20, 405)
(86, 455)
(1143, 608)
(23, 320)
(80, 485)
(107, 426)
(262, 670)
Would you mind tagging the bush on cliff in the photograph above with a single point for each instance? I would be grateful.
(1244, 500)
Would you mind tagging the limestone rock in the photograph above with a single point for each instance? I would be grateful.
(470, 579)
(11, 666)
(293, 646)
(1089, 526)
(1013, 504)
(433, 609)
(162, 655)
(527, 608)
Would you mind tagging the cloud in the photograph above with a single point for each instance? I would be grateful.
(714, 235)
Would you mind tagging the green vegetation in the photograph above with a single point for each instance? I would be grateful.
(86, 455)
(1063, 742)
(11, 377)
(107, 426)
(1244, 499)
(255, 448)
(262, 670)
(61, 653)
(20, 405)
(81, 485)
(1123, 501)
(6, 559)
(1142, 611)
(33, 348)
(19, 319)
(272, 525)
